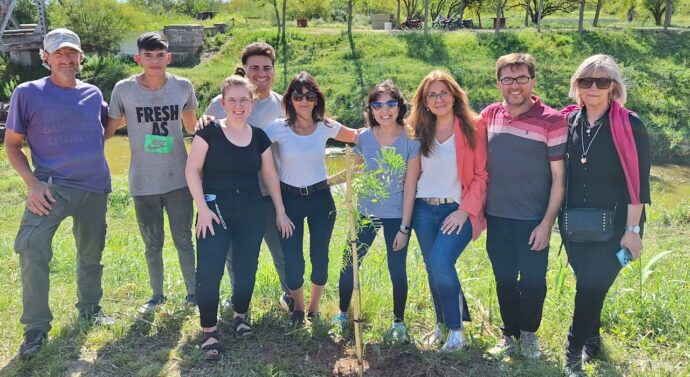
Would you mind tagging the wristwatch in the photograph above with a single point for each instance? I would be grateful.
(633, 228)
(405, 228)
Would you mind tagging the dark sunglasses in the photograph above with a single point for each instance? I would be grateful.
(586, 82)
(310, 96)
(377, 105)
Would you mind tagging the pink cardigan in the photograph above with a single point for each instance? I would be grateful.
(473, 174)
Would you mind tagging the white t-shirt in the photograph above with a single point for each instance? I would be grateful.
(439, 177)
(302, 158)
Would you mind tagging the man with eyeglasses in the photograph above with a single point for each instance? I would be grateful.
(258, 59)
(526, 154)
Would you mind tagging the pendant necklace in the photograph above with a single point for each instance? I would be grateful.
(583, 159)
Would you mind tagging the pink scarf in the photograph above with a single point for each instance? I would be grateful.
(624, 141)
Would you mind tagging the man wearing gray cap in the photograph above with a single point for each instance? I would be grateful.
(63, 121)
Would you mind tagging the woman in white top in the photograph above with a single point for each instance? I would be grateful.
(301, 139)
(451, 189)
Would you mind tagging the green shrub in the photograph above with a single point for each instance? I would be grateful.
(105, 72)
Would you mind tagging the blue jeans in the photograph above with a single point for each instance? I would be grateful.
(440, 252)
(396, 263)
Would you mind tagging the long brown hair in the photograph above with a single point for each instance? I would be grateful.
(300, 81)
(423, 121)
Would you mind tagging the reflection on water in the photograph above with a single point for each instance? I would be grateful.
(117, 153)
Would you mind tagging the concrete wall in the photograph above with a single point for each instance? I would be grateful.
(184, 42)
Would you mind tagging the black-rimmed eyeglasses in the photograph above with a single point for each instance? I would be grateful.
(510, 80)
(587, 82)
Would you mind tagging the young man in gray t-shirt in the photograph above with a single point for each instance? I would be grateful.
(258, 60)
(155, 105)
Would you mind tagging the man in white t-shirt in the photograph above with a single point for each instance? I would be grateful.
(258, 59)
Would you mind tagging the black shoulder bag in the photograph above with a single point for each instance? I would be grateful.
(583, 224)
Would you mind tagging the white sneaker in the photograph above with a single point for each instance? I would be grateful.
(455, 342)
(529, 345)
(505, 347)
(436, 337)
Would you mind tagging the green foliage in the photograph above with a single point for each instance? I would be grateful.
(309, 9)
(657, 8)
(25, 12)
(105, 72)
(7, 88)
(100, 24)
(675, 216)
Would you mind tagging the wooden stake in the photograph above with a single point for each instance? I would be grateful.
(355, 261)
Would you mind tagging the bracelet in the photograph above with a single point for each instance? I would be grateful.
(405, 228)
(405, 233)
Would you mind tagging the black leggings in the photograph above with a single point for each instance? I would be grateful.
(245, 217)
(396, 263)
(318, 209)
(596, 268)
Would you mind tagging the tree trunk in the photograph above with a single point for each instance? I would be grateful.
(275, 8)
(596, 13)
(581, 17)
(498, 16)
(669, 9)
(349, 18)
(284, 10)
(541, 7)
(397, 17)
(527, 13)
(426, 17)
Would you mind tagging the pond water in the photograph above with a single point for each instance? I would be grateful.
(670, 183)
(117, 153)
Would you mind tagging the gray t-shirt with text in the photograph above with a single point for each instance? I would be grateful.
(154, 126)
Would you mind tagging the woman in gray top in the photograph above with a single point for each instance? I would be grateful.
(385, 149)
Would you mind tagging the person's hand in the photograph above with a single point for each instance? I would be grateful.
(454, 222)
(204, 121)
(540, 237)
(284, 224)
(40, 199)
(633, 243)
(400, 240)
(204, 222)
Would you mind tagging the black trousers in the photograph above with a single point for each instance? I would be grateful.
(521, 301)
(596, 268)
(245, 218)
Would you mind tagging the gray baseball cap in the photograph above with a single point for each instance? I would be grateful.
(60, 38)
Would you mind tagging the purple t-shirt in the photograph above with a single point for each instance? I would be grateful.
(64, 130)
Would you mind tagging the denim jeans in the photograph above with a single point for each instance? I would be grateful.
(318, 209)
(396, 263)
(440, 252)
(244, 216)
(521, 301)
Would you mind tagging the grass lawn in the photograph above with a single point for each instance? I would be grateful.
(645, 318)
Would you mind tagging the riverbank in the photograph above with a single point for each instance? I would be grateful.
(645, 319)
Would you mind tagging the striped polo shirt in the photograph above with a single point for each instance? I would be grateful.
(520, 151)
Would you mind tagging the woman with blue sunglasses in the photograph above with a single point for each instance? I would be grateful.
(384, 113)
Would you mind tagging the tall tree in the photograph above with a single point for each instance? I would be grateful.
(657, 8)
(349, 18)
(548, 7)
(581, 17)
(412, 7)
(282, 38)
(436, 7)
(669, 10)
(426, 17)
(600, 3)
(397, 16)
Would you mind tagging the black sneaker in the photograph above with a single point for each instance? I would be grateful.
(96, 316)
(151, 305)
(297, 318)
(287, 302)
(190, 301)
(33, 341)
(573, 364)
(591, 349)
